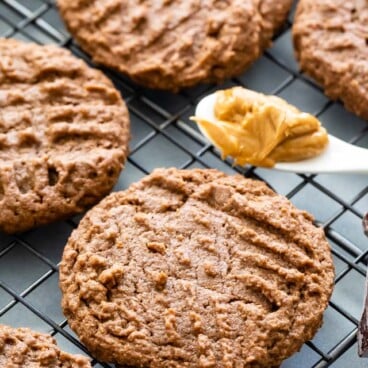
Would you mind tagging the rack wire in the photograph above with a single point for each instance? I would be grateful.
(163, 136)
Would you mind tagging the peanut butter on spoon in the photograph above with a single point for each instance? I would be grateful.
(261, 130)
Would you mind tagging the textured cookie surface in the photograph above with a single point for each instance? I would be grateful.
(331, 43)
(64, 133)
(23, 348)
(195, 269)
(170, 44)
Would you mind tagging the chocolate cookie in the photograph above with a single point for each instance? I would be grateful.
(64, 133)
(331, 39)
(171, 44)
(21, 347)
(194, 268)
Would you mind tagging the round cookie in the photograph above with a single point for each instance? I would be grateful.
(171, 44)
(64, 133)
(21, 347)
(331, 39)
(194, 268)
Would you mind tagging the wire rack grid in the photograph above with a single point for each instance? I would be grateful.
(163, 136)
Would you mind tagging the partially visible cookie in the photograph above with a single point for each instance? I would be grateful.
(331, 44)
(194, 268)
(23, 348)
(171, 44)
(64, 133)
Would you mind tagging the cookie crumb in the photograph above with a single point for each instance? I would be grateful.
(160, 280)
(156, 247)
(170, 325)
(111, 276)
(183, 258)
(196, 321)
(210, 269)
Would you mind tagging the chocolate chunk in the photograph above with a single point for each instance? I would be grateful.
(363, 325)
(365, 224)
(363, 330)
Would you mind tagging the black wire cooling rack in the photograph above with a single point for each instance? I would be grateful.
(163, 136)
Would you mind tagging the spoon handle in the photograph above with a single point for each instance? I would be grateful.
(352, 159)
(339, 157)
(361, 164)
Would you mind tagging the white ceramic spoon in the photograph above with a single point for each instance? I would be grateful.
(339, 156)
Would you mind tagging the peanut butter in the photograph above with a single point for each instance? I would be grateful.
(260, 130)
